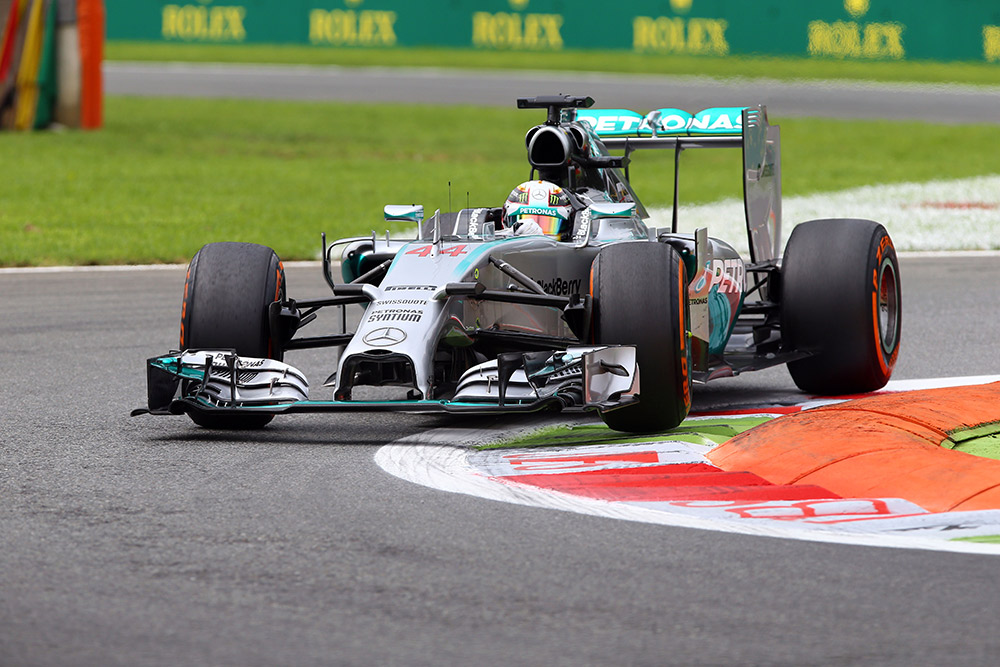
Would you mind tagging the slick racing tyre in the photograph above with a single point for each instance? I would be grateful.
(639, 293)
(227, 292)
(841, 301)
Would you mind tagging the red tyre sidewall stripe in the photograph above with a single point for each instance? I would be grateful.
(881, 258)
(184, 307)
(682, 321)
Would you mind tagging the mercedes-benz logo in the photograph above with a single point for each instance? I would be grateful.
(384, 336)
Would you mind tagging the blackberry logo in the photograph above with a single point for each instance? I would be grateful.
(562, 287)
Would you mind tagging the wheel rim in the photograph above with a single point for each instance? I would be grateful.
(888, 305)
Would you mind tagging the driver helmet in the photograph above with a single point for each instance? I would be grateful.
(539, 207)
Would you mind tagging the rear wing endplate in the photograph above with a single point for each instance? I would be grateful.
(716, 127)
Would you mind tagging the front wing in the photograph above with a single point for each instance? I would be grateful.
(219, 381)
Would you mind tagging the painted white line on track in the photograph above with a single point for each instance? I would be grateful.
(939, 383)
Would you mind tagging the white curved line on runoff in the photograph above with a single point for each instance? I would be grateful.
(446, 468)
(441, 459)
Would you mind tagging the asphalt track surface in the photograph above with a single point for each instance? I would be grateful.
(143, 541)
(834, 99)
(148, 541)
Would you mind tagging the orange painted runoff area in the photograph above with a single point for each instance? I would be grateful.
(886, 446)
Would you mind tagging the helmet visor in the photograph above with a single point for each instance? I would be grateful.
(551, 225)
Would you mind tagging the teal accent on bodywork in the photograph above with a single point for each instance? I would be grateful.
(416, 405)
(672, 122)
(717, 121)
(720, 308)
(413, 214)
(467, 263)
(690, 265)
(612, 210)
(403, 251)
(350, 268)
(614, 122)
(170, 364)
(722, 320)
(719, 313)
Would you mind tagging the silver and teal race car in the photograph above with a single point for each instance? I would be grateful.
(561, 298)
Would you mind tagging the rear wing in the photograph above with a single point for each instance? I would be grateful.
(717, 127)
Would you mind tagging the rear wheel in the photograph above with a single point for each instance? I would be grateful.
(841, 300)
(639, 294)
(227, 292)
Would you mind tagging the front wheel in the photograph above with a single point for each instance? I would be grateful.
(228, 290)
(841, 301)
(639, 293)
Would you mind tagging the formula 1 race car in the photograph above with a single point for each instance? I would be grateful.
(561, 298)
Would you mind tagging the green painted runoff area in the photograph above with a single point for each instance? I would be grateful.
(984, 440)
(700, 431)
(982, 539)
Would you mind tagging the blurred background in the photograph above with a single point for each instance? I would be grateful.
(273, 120)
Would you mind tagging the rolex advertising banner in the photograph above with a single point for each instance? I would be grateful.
(967, 30)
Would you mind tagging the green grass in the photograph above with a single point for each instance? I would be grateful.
(705, 432)
(165, 176)
(586, 61)
(983, 539)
